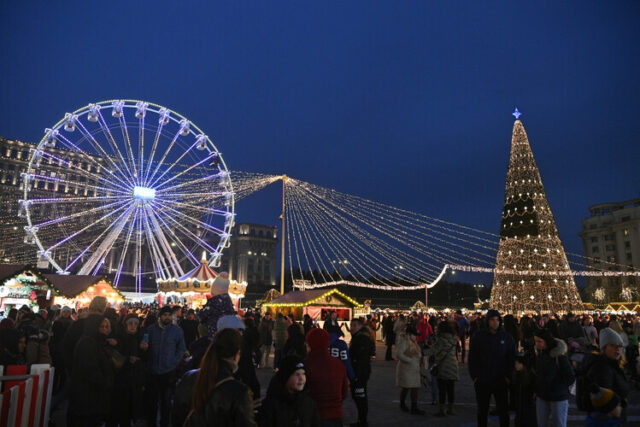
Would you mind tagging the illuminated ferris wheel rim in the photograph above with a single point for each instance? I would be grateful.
(144, 190)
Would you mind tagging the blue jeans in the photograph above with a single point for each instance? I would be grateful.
(552, 414)
(597, 419)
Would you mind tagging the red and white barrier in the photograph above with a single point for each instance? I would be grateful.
(25, 400)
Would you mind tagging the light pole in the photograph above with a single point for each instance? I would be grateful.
(477, 288)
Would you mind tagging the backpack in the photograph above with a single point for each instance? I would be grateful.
(584, 362)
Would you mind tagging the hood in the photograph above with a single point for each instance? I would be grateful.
(559, 349)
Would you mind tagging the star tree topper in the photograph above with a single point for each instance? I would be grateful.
(516, 114)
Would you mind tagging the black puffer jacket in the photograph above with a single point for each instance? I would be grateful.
(553, 373)
(608, 374)
(283, 409)
(230, 404)
(93, 373)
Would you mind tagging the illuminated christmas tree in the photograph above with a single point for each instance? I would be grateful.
(532, 273)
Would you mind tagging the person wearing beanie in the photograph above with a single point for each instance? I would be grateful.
(326, 378)
(361, 350)
(408, 369)
(606, 372)
(287, 403)
(218, 305)
(553, 377)
(492, 354)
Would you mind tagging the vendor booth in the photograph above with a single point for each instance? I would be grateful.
(25, 285)
(78, 290)
(316, 303)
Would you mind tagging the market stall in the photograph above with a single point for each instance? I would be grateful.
(78, 290)
(316, 303)
(25, 285)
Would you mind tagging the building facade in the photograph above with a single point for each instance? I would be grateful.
(611, 242)
(252, 256)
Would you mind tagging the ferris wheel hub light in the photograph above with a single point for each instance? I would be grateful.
(144, 193)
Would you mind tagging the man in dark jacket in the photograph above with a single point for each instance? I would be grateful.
(189, 327)
(97, 308)
(326, 377)
(165, 350)
(361, 349)
(491, 362)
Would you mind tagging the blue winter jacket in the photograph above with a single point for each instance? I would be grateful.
(491, 356)
(338, 349)
(166, 346)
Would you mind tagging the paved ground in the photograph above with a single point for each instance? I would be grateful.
(384, 401)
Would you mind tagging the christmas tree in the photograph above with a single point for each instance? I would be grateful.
(532, 273)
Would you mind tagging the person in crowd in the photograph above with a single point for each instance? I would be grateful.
(425, 331)
(58, 330)
(246, 371)
(553, 376)
(463, 333)
(527, 329)
(524, 390)
(399, 328)
(129, 379)
(326, 378)
(361, 350)
(590, 331)
(389, 337)
(92, 377)
(189, 327)
(75, 331)
(37, 349)
(211, 395)
(176, 315)
(295, 344)
(218, 305)
(491, 362)
(164, 351)
(408, 369)
(287, 403)
(279, 338)
(631, 352)
(445, 358)
(570, 328)
(307, 324)
(606, 372)
(266, 339)
(12, 345)
(331, 324)
(338, 348)
(615, 325)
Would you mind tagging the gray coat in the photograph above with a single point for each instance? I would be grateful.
(444, 352)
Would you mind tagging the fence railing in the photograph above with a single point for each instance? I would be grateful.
(25, 399)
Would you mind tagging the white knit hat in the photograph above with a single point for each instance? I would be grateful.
(609, 336)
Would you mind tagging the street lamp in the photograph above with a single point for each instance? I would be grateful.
(477, 288)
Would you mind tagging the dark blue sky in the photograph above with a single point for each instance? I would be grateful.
(408, 105)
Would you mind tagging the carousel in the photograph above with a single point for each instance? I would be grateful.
(194, 288)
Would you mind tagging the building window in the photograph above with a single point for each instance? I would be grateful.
(625, 232)
(610, 247)
(593, 226)
(629, 256)
(595, 249)
(627, 244)
(611, 259)
(594, 239)
(625, 218)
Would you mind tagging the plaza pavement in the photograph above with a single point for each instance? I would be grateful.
(384, 401)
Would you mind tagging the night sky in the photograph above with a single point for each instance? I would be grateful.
(408, 105)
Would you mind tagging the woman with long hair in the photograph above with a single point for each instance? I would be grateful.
(445, 357)
(215, 396)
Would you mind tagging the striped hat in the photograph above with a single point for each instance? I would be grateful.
(603, 399)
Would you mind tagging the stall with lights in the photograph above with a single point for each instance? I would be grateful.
(316, 303)
(25, 285)
(78, 290)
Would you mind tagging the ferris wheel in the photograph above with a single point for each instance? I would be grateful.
(127, 187)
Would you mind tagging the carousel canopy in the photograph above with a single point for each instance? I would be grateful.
(201, 275)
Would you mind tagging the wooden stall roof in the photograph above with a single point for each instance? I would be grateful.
(304, 298)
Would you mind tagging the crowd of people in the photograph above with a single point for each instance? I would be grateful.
(150, 365)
